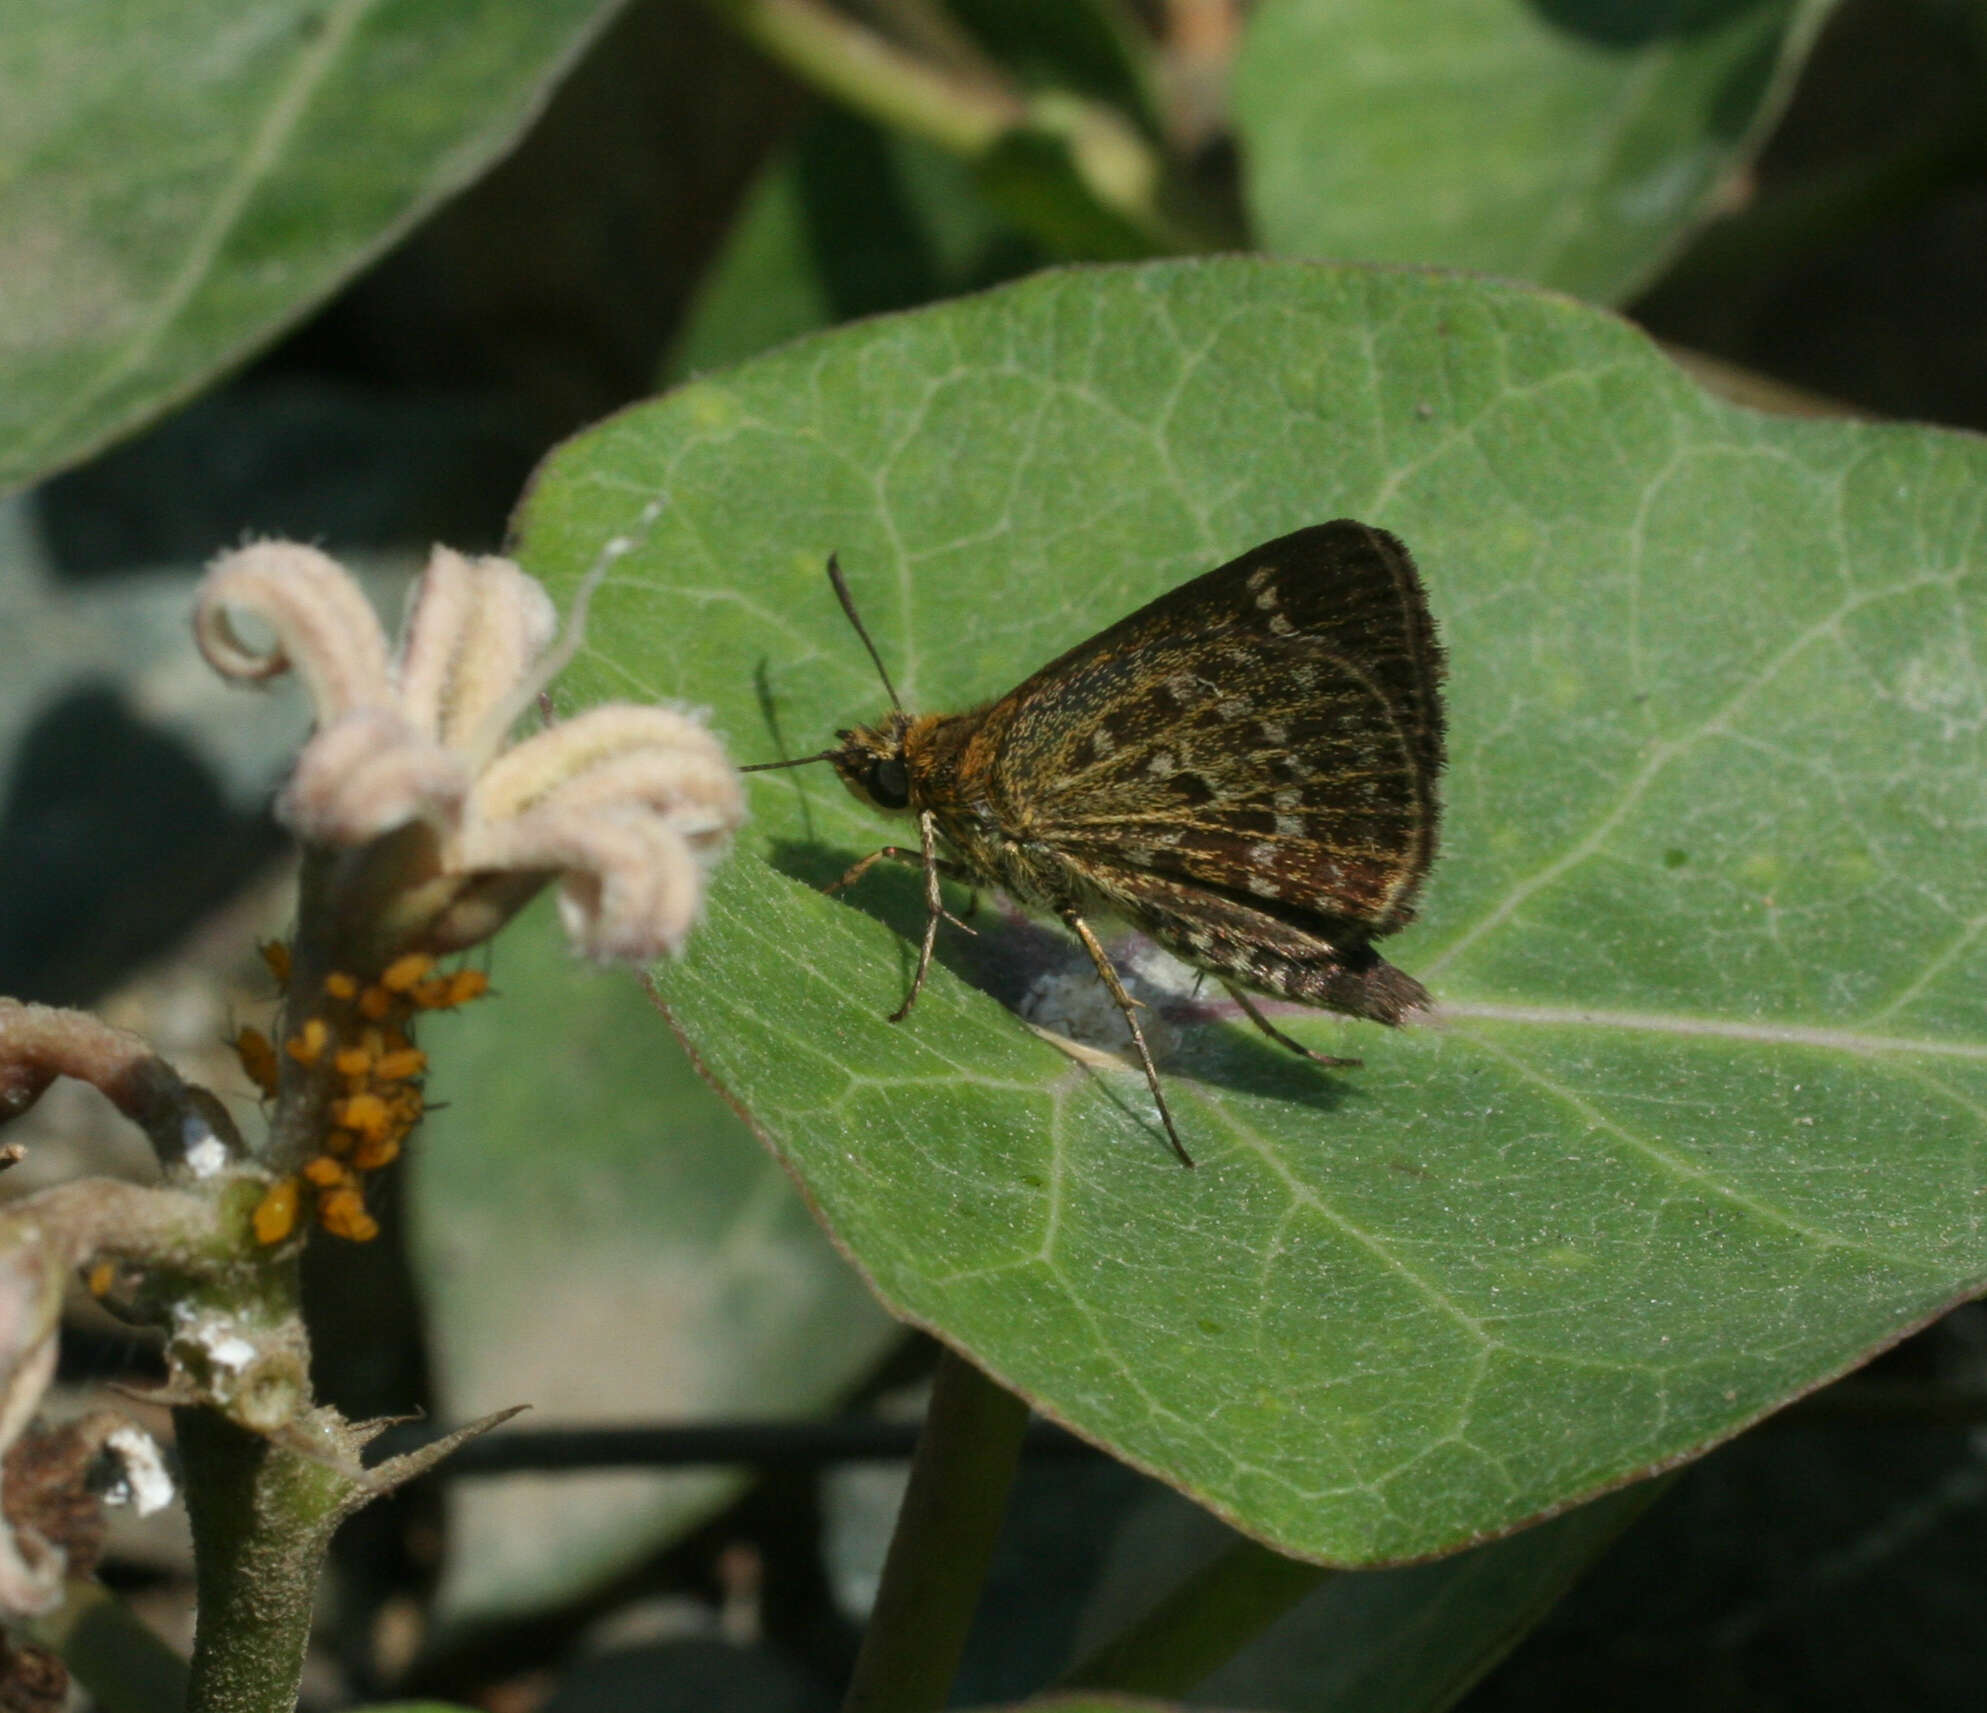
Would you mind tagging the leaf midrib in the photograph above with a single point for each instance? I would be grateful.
(1856, 1041)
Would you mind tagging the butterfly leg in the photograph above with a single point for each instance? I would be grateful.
(1108, 974)
(1254, 1014)
(951, 871)
(935, 911)
(858, 870)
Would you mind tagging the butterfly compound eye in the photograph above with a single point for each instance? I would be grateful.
(889, 783)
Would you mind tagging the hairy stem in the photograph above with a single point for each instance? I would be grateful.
(39, 1043)
(944, 1540)
(263, 1515)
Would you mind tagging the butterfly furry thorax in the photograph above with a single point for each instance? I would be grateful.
(1244, 769)
(943, 764)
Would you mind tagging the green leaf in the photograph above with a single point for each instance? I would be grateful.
(1702, 1122)
(1573, 142)
(597, 1236)
(180, 179)
(1416, 1638)
(1251, 1628)
(846, 220)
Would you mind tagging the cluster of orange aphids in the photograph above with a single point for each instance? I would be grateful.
(360, 1034)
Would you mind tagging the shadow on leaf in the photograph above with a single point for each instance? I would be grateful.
(1025, 964)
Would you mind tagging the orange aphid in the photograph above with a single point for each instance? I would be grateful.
(353, 1061)
(465, 985)
(307, 1046)
(102, 1276)
(277, 956)
(375, 1152)
(326, 1172)
(446, 992)
(341, 986)
(340, 1142)
(364, 1113)
(376, 1003)
(342, 1212)
(397, 1067)
(258, 1058)
(403, 973)
(275, 1214)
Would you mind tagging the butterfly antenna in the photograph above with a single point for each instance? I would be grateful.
(848, 606)
(798, 761)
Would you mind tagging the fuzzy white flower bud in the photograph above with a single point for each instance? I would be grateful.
(627, 806)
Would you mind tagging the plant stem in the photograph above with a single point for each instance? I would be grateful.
(262, 1516)
(1201, 1624)
(943, 1543)
(848, 60)
(982, 117)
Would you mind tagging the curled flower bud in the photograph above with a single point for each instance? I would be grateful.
(627, 807)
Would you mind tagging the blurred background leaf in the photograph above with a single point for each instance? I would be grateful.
(1386, 1641)
(847, 220)
(1571, 142)
(594, 1233)
(184, 179)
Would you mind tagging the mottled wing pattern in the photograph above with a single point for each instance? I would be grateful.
(1271, 731)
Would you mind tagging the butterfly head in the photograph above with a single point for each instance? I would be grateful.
(874, 761)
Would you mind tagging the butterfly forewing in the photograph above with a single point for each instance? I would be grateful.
(1271, 730)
